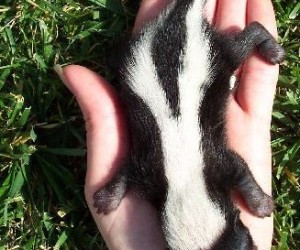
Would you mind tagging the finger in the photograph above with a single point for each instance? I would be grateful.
(105, 126)
(231, 15)
(149, 9)
(210, 10)
(258, 81)
(255, 96)
(263, 12)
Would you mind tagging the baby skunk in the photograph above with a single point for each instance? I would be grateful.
(175, 82)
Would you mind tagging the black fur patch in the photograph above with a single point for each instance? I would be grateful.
(146, 172)
(168, 50)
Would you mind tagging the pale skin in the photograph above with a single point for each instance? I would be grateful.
(133, 224)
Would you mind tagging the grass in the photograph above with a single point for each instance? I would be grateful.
(286, 131)
(42, 138)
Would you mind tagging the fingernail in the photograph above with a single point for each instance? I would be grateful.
(60, 72)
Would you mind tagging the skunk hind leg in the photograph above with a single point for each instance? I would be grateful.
(266, 45)
(240, 46)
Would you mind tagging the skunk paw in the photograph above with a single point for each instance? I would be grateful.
(262, 207)
(110, 196)
(271, 51)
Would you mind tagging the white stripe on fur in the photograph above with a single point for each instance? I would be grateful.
(192, 220)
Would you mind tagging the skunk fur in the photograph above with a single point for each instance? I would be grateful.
(175, 82)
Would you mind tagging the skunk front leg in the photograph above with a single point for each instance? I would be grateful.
(110, 196)
(241, 179)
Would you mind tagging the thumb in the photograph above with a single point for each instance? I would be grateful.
(107, 142)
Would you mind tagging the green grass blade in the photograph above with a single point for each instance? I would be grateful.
(115, 6)
(61, 240)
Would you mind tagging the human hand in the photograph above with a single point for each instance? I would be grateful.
(250, 108)
(133, 224)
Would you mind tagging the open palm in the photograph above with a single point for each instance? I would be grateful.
(133, 224)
